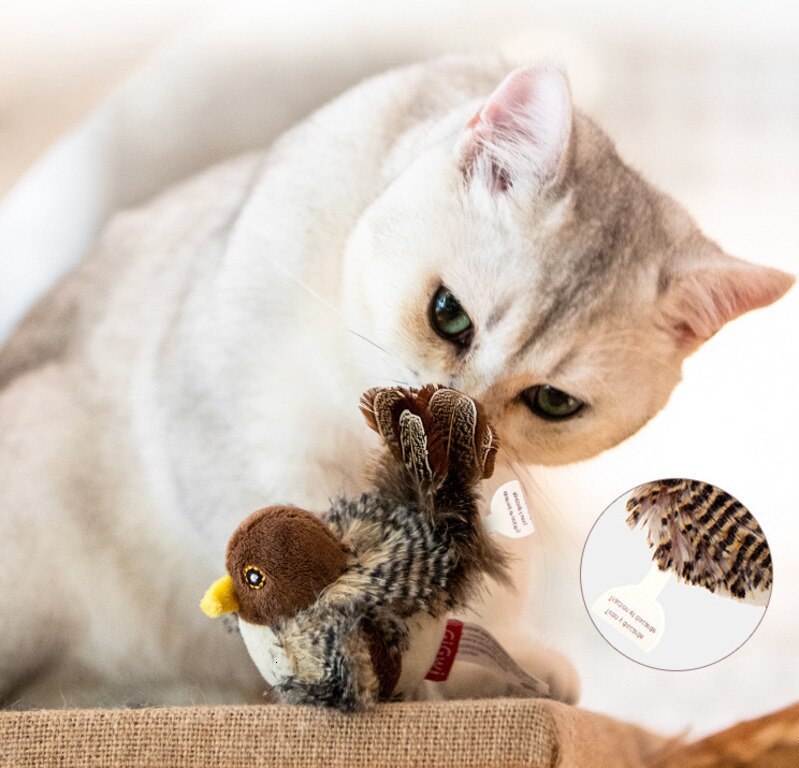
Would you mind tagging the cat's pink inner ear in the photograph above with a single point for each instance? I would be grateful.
(699, 303)
(522, 132)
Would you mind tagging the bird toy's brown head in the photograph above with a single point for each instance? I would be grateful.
(278, 561)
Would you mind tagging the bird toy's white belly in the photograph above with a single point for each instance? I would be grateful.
(268, 655)
(425, 637)
(424, 640)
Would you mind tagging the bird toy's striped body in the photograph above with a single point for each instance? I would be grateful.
(703, 535)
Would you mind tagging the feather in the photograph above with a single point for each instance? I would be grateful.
(703, 535)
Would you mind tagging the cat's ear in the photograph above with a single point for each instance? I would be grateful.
(519, 138)
(715, 289)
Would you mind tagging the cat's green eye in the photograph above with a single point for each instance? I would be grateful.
(449, 319)
(550, 403)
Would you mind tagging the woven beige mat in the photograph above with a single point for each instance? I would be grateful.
(459, 734)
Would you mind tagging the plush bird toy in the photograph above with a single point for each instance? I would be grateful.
(350, 609)
(705, 536)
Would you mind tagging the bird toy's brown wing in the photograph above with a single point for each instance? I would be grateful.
(460, 423)
(402, 418)
(441, 446)
(703, 535)
(434, 431)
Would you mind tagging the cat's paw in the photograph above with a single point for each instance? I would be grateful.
(548, 665)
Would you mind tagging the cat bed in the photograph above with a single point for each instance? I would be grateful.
(456, 734)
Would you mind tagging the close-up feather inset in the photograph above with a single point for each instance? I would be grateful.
(704, 536)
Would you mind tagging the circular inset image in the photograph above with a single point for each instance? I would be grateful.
(676, 574)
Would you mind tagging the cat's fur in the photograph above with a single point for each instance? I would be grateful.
(208, 357)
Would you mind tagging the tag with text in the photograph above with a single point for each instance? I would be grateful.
(470, 643)
(447, 652)
(510, 515)
(633, 610)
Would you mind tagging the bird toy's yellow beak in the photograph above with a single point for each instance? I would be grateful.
(220, 598)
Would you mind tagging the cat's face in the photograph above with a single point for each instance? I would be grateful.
(529, 267)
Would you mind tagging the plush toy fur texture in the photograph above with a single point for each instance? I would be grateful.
(416, 547)
(703, 535)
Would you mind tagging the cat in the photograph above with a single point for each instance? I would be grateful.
(451, 222)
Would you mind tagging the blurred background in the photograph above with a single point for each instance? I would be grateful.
(102, 104)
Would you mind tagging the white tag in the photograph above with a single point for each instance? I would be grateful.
(634, 611)
(478, 646)
(509, 513)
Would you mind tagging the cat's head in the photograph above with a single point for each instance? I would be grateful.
(524, 263)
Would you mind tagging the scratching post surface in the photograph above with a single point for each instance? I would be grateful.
(459, 734)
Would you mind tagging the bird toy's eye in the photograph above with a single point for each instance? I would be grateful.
(254, 576)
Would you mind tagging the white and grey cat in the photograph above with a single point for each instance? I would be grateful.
(449, 222)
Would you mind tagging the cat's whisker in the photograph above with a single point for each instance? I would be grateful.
(368, 340)
(391, 356)
(394, 381)
(307, 288)
(333, 308)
